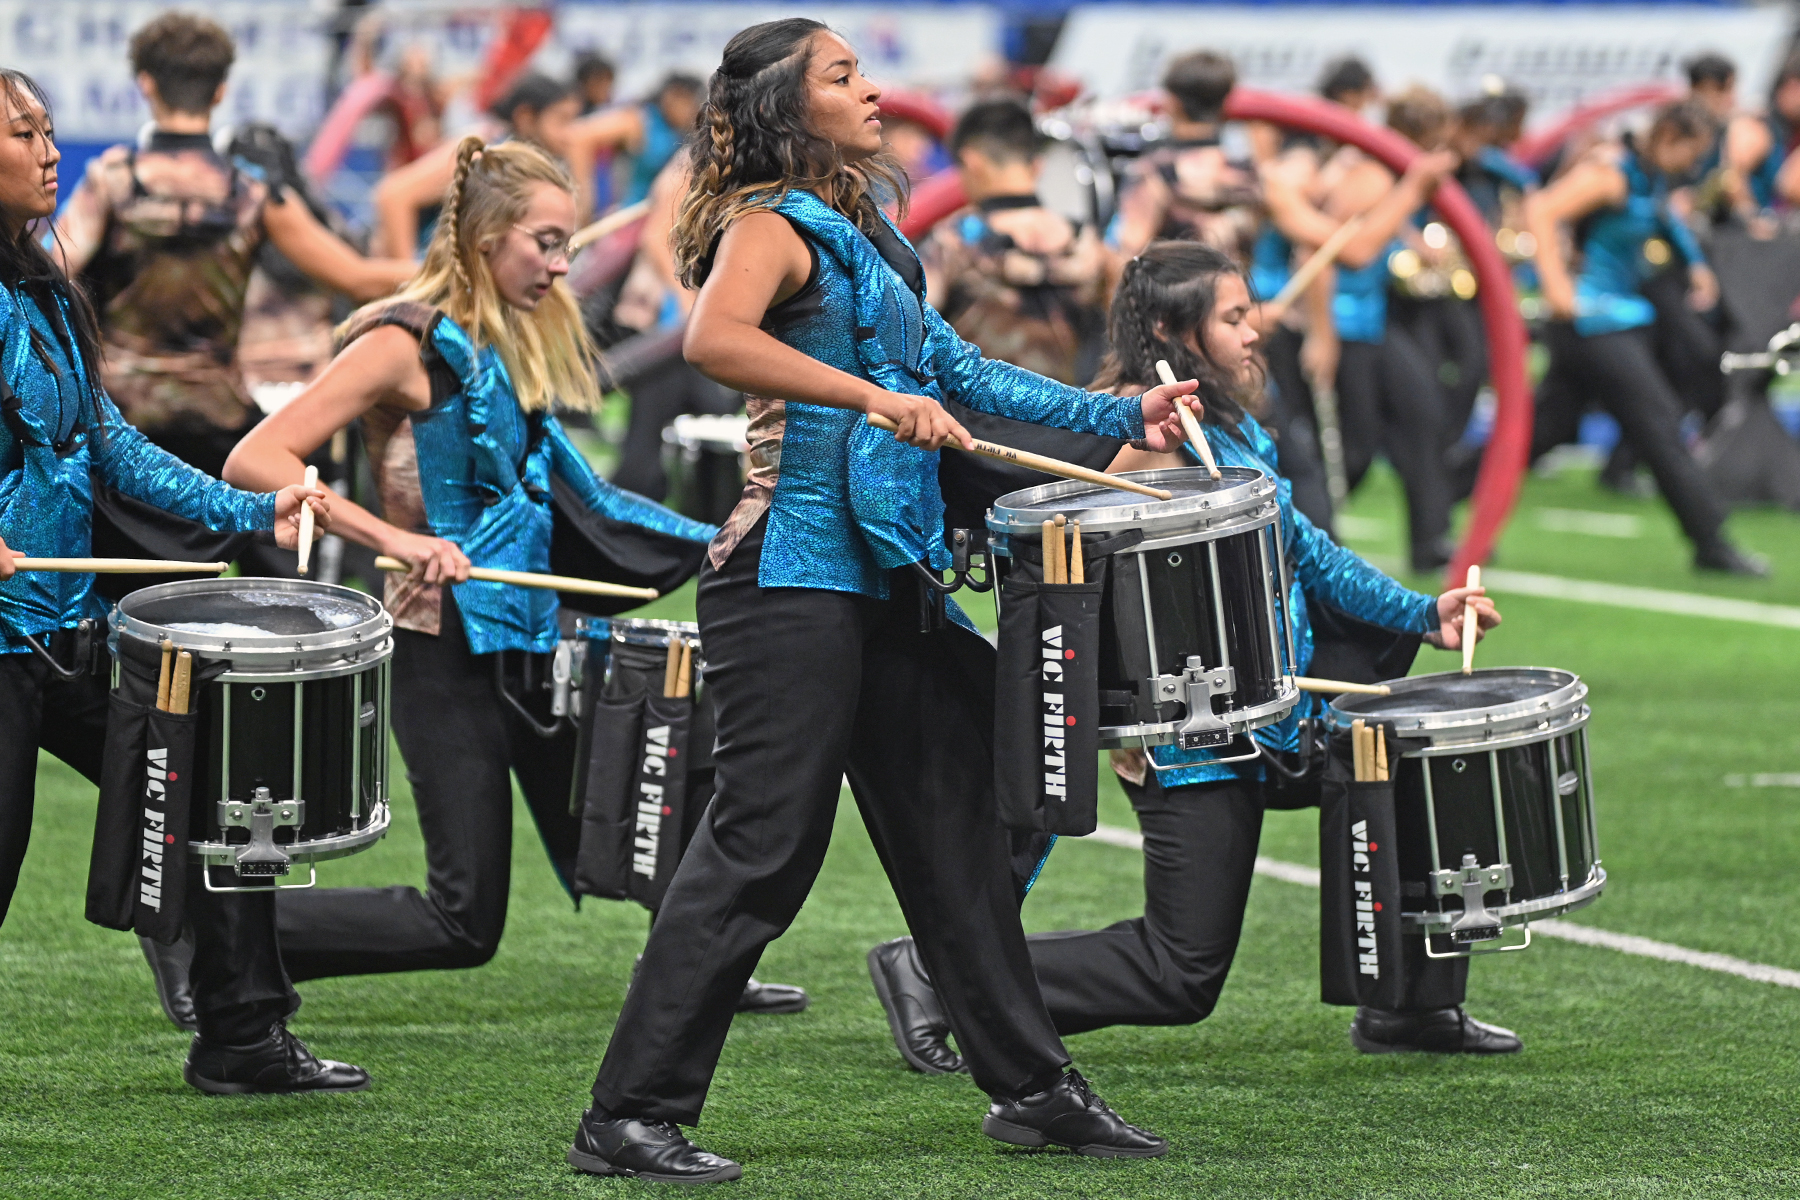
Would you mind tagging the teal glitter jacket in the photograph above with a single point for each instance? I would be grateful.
(1321, 569)
(851, 503)
(484, 475)
(60, 425)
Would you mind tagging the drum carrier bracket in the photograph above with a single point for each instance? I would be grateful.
(261, 815)
(1473, 881)
(1196, 687)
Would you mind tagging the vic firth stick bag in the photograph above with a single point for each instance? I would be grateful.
(1047, 700)
(1361, 959)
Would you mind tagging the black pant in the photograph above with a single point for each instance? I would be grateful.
(1620, 371)
(462, 745)
(1168, 966)
(1453, 342)
(1296, 426)
(810, 684)
(1388, 400)
(657, 398)
(239, 987)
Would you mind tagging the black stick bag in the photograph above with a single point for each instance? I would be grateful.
(1361, 960)
(660, 797)
(1047, 695)
(137, 876)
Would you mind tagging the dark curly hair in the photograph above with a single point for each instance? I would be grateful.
(1168, 293)
(187, 55)
(753, 145)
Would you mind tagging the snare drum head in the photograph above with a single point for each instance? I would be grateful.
(641, 631)
(1241, 499)
(1490, 698)
(233, 616)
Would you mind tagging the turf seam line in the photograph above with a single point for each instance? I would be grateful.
(1586, 935)
(1619, 595)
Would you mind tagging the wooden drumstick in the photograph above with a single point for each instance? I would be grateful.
(532, 579)
(1469, 624)
(1307, 683)
(611, 223)
(1381, 763)
(1195, 436)
(184, 679)
(684, 676)
(119, 566)
(1062, 549)
(1358, 758)
(306, 519)
(672, 666)
(1038, 462)
(1077, 567)
(162, 676)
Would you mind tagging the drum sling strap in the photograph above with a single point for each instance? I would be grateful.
(137, 875)
(1047, 692)
(643, 776)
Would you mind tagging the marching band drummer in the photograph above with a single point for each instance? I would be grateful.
(1190, 305)
(454, 379)
(59, 423)
(812, 303)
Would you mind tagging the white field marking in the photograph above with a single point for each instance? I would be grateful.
(1618, 595)
(1774, 779)
(1624, 943)
(1363, 529)
(1595, 524)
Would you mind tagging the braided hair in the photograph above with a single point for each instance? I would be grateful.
(756, 145)
(1164, 300)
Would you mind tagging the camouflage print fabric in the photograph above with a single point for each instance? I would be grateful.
(169, 235)
(1032, 292)
(768, 422)
(1203, 195)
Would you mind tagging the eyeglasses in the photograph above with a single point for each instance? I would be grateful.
(550, 246)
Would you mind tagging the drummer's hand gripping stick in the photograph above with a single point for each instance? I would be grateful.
(1196, 437)
(1036, 462)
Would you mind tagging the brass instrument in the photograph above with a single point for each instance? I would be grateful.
(1449, 276)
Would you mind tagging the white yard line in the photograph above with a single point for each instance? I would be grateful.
(1624, 943)
(1777, 780)
(1618, 595)
(1593, 524)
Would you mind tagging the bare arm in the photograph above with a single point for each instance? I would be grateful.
(653, 243)
(1747, 143)
(381, 367)
(82, 225)
(1369, 189)
(324, 257)
(1577, 192)
(400, 195)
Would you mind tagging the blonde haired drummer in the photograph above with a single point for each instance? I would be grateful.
(454, 380)
(1189, 305)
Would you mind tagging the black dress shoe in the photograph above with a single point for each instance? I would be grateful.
(762, 997)
(1437, 1031)
(921, 1031)
(169, 967)
(1727, 558)
(278, 1063)
(1070, 1115)
(653, 1150)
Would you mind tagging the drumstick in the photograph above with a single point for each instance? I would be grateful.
(1309, 270)
(1381, 763)
(1062, 549)
(1307, 683)
(1469, 626)
(684, 676)
(671, 666)
(1038, 462)
(184, 678)
(1188, 423)
(1077, 568)
(1359, 760)
(306, 519)
(611, 223)
(162, 676)
(532, 579)
(120, 566)
(1048, 534)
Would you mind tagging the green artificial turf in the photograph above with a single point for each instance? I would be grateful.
(1639, 1078)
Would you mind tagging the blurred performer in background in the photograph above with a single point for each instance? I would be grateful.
(1615, 202)
(165, 236)
(58, 426)
(535, 109)
(594, 79)
(1188, 187)
(647, 135)
(811, 301)
(1190, 305)
(1023, 283)
(1763, 173)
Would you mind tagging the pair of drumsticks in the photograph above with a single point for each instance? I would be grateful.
(678, 671)
(174, 680)
(1368, 744)
(1062, 561)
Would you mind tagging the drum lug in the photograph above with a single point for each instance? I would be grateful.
(1202, 729)
(261, 815)
(1473, 881)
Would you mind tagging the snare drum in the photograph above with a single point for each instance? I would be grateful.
(704, 456)
(291, 761)
(1195, 644)
(1495, 814)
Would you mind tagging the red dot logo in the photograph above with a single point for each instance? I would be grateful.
(667, 811)
(169, 838)
(1373, 847)
(173, 777)
(672, 752)
(1378, 906)
(1069, 720)
(1068, 654)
